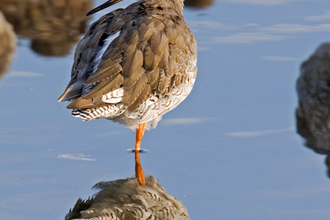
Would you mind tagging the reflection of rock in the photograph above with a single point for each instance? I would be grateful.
(54, 26)
(327, 163)
(313, 113)
(7, 44)
(126, 199)
(198, 3)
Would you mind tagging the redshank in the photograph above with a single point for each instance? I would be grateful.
(133, 65)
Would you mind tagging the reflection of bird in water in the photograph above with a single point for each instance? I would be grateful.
(133, 65)
(53, 26)
(313, 112)
(125, 199)
(7, 44)
(198, 3)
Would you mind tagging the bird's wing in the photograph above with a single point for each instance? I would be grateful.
(146, 58)
(84, 56)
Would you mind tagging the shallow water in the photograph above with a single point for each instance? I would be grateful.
(230, 150)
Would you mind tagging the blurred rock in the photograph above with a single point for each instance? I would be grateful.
(126, 199)
(7, 45)
(54, 26)
(313, 112)
(198, 3)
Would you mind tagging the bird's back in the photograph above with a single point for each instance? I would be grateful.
(133, 65)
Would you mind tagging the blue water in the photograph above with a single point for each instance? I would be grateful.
(229, 151)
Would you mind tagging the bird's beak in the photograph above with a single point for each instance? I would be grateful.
(103, 6)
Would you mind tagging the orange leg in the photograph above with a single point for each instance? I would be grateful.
(138, 168)
(139, 135)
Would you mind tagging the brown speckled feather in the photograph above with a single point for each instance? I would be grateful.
(149, 55)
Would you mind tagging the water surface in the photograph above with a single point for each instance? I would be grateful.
(230, 150)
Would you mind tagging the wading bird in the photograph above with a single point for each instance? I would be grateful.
(133, 65)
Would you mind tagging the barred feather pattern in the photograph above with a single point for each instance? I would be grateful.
(100, 112)
(149, 112)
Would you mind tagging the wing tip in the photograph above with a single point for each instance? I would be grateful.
(81, 103)
(61, 98)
